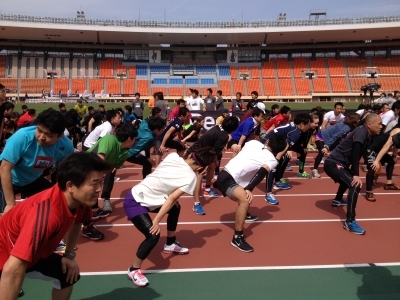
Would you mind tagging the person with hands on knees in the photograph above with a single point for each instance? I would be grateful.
(342, 165)
(30, 231)
(243, 173)
(159, 193)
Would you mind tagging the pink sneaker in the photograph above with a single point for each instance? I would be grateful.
(175, 248)
(138, 278)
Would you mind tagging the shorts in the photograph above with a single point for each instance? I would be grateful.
(132, 208)
(231, 143)
(169, 144)
(226, 184)
(50, 269)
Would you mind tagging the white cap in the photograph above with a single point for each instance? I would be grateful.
(261, 106)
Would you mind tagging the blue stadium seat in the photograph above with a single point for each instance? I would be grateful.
(192, 81)
(160, 80)
(224, 71)
(159, 69)
(207, 81)
(141, 70)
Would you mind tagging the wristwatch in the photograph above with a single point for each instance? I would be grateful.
(69, 254)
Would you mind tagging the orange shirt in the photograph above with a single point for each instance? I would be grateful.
(151, 102)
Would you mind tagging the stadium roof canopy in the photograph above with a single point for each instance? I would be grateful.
(16, 29)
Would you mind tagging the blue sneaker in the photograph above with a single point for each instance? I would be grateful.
(198, 209)
(341, 202)
(353, 227)
(210, 193)
(270, 198)
(282, 185)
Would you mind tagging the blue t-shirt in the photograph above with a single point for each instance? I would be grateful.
(129, 118)
(289, 131)
(246, 128)
(176, 123)
(29, 158)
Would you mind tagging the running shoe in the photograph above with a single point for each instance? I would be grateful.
(210, 193)
(304, 175)
(270, 198)
(138, 278)
(282, 185)
(107, 208)
(353, 227)
(390, 187)
(92, 233)
(99, 214)
(61, 247)
(315, 174)
(322, 161)
(250, 218)
(340, 202)
(117, 178)
(365, 169)
(21, 293)
(198, 209)
(370, 196)
(289, 167)
(240, 243)
(175, 248)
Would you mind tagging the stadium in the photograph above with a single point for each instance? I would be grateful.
(305, 60)
(302, 251)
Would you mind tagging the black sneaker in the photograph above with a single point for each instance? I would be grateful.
(250, 218)
(241, 244)
(92, 233)
(99, 214)
(21, 293)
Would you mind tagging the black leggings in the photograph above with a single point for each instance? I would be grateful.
(143, 161)
(219, 158)
(143, 223)
(344, 177)
(277, 175)
(320, 155)
(389, 170)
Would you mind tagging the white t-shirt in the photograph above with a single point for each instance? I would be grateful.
(360, 112)
(98, 132)
(171, 174)
(332, 118)
(195, 103)
(245, 165)
(387, 117)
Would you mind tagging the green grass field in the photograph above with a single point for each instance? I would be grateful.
(294, 106)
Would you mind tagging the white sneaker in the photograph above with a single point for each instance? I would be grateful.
(175, 248)
(322, 161)
(138, 278)
(315, 173)
(117, 178)
(107, 206)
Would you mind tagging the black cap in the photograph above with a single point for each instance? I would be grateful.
(396, 140)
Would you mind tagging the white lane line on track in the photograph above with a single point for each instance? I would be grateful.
(265, 268)
(261, 221)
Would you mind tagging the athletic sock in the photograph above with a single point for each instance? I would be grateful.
(238, 233)
(208, 188)
(171, 240)
(131, 268)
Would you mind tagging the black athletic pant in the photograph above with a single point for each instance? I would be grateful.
(277, 175)
(301, 157)
(143, 223)
(386, 159)
(320, 155)
(143, 161)
(219, 158)
(28, 190)
(344, 177)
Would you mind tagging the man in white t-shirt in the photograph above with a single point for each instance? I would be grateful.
(159, 193)
(196, 102)
(113, 120)
(333, 117)
(243, 173)
(387, 115)
(395, 120)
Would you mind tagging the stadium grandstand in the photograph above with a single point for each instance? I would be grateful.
(313, 59)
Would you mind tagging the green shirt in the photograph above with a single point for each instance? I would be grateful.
(110, 147)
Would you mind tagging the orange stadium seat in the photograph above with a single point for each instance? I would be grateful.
(60, 84)
(10, 83)
(302, 86)
(143, 87)
(299, 65)
(78, 85)
(2, 66)
(238, 86)
(106, 69)
(387, 67)
(113, 86)
(253, 85)
(159, 89)
(355, 66)
(285, 86)
(270, 87)
(129, 86)
(233, 72)
(243, 70)
(388, 84)
(254, 72)
(336, 67)
(176, 91)
(97, 85)
(267, 70)
(356, 83)
(318, 66)
(120, 68)
(320, 85)
(283, 68)
(34, 85)
(225, 86)
(339, 84)
(194, 88)
(132, 72)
